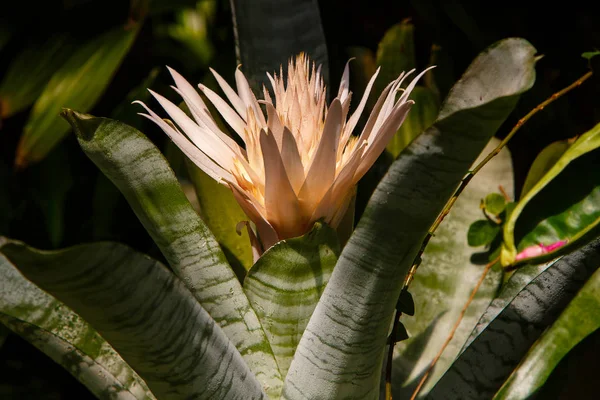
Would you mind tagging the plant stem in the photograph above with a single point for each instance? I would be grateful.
(454, 328)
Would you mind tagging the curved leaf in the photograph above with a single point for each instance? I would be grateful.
(142, 174)
(146, 314)
(79, 83)
(543, 162)
(444, 281)
(286, 283)
(548, 220)
(341, 351)
(267, 35)
(91, 374)
(29, 72)
(485, 364)
(60, 333)
(579, 319)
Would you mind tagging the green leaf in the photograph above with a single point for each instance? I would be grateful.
(222, 213)
(341, 351)
(482, 232)
(491, 357)
(30, 71)
(267, 35)
(443, 283)
(78, 83)
(63, 335)
(588, 55)
(549, 220)
(286, 283)
(577, 321)
(142, 174)
(131, 299)
(191, 28)
(494, 203)
(421, 116)
(543, 162)
(395, 54)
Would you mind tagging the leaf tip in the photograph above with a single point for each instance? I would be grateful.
(79, 122)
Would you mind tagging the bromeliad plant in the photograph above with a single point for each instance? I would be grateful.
(311, 319)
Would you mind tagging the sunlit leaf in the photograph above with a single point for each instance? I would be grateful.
(543, 162)
(286, 283)
(549, 220)
(360, 298)
(494, 203)
(78, 83)
(577, 321)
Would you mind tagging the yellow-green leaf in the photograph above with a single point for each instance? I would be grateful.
(78, 84)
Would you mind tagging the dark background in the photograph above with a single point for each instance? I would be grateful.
(462, 29)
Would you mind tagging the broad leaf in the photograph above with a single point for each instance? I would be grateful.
(142, 174)
(341, 351)
(444, 281)
(577, 321)
(549, 220)
(78, 83)
(490, 358)
(146, 314)
(92, 374)
(54, 328)
(286, 283)
(267, 34)
(30, 71)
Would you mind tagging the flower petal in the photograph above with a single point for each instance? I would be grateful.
(292, 160)
(380, 139)
(281, 203)
(344, 90)
(202, 138)
(321, 172)
(232, 96)
(198, 157)
(228, 113)
(248, 97)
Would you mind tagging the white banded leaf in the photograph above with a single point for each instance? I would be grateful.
(65, 337)
(341, 352)
(286, 283)
(146, 314)
(150, 187)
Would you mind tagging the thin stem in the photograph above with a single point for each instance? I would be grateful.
(454, 328)
(465, 181)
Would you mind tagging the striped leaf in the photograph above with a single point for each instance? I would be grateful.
(550, 221)
(65, 337)
(341, 352)
(579, 319)
(142, 174)
(267, 34)
(445, 279)
(286, 283)
(491, 357)
(147, 314)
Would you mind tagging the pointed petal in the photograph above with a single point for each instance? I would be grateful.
(381, 138)
(189, 91)
(209, 126)
(359, 109)
(345, 83)
(292, 160)
(274, 124)
(192, 152)
(266, 232)
(281, 203)
(322, 168)
(248, 97)
(228, 113)
(232, 96)
(412, 84)
(366, 132)
(203, 139)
